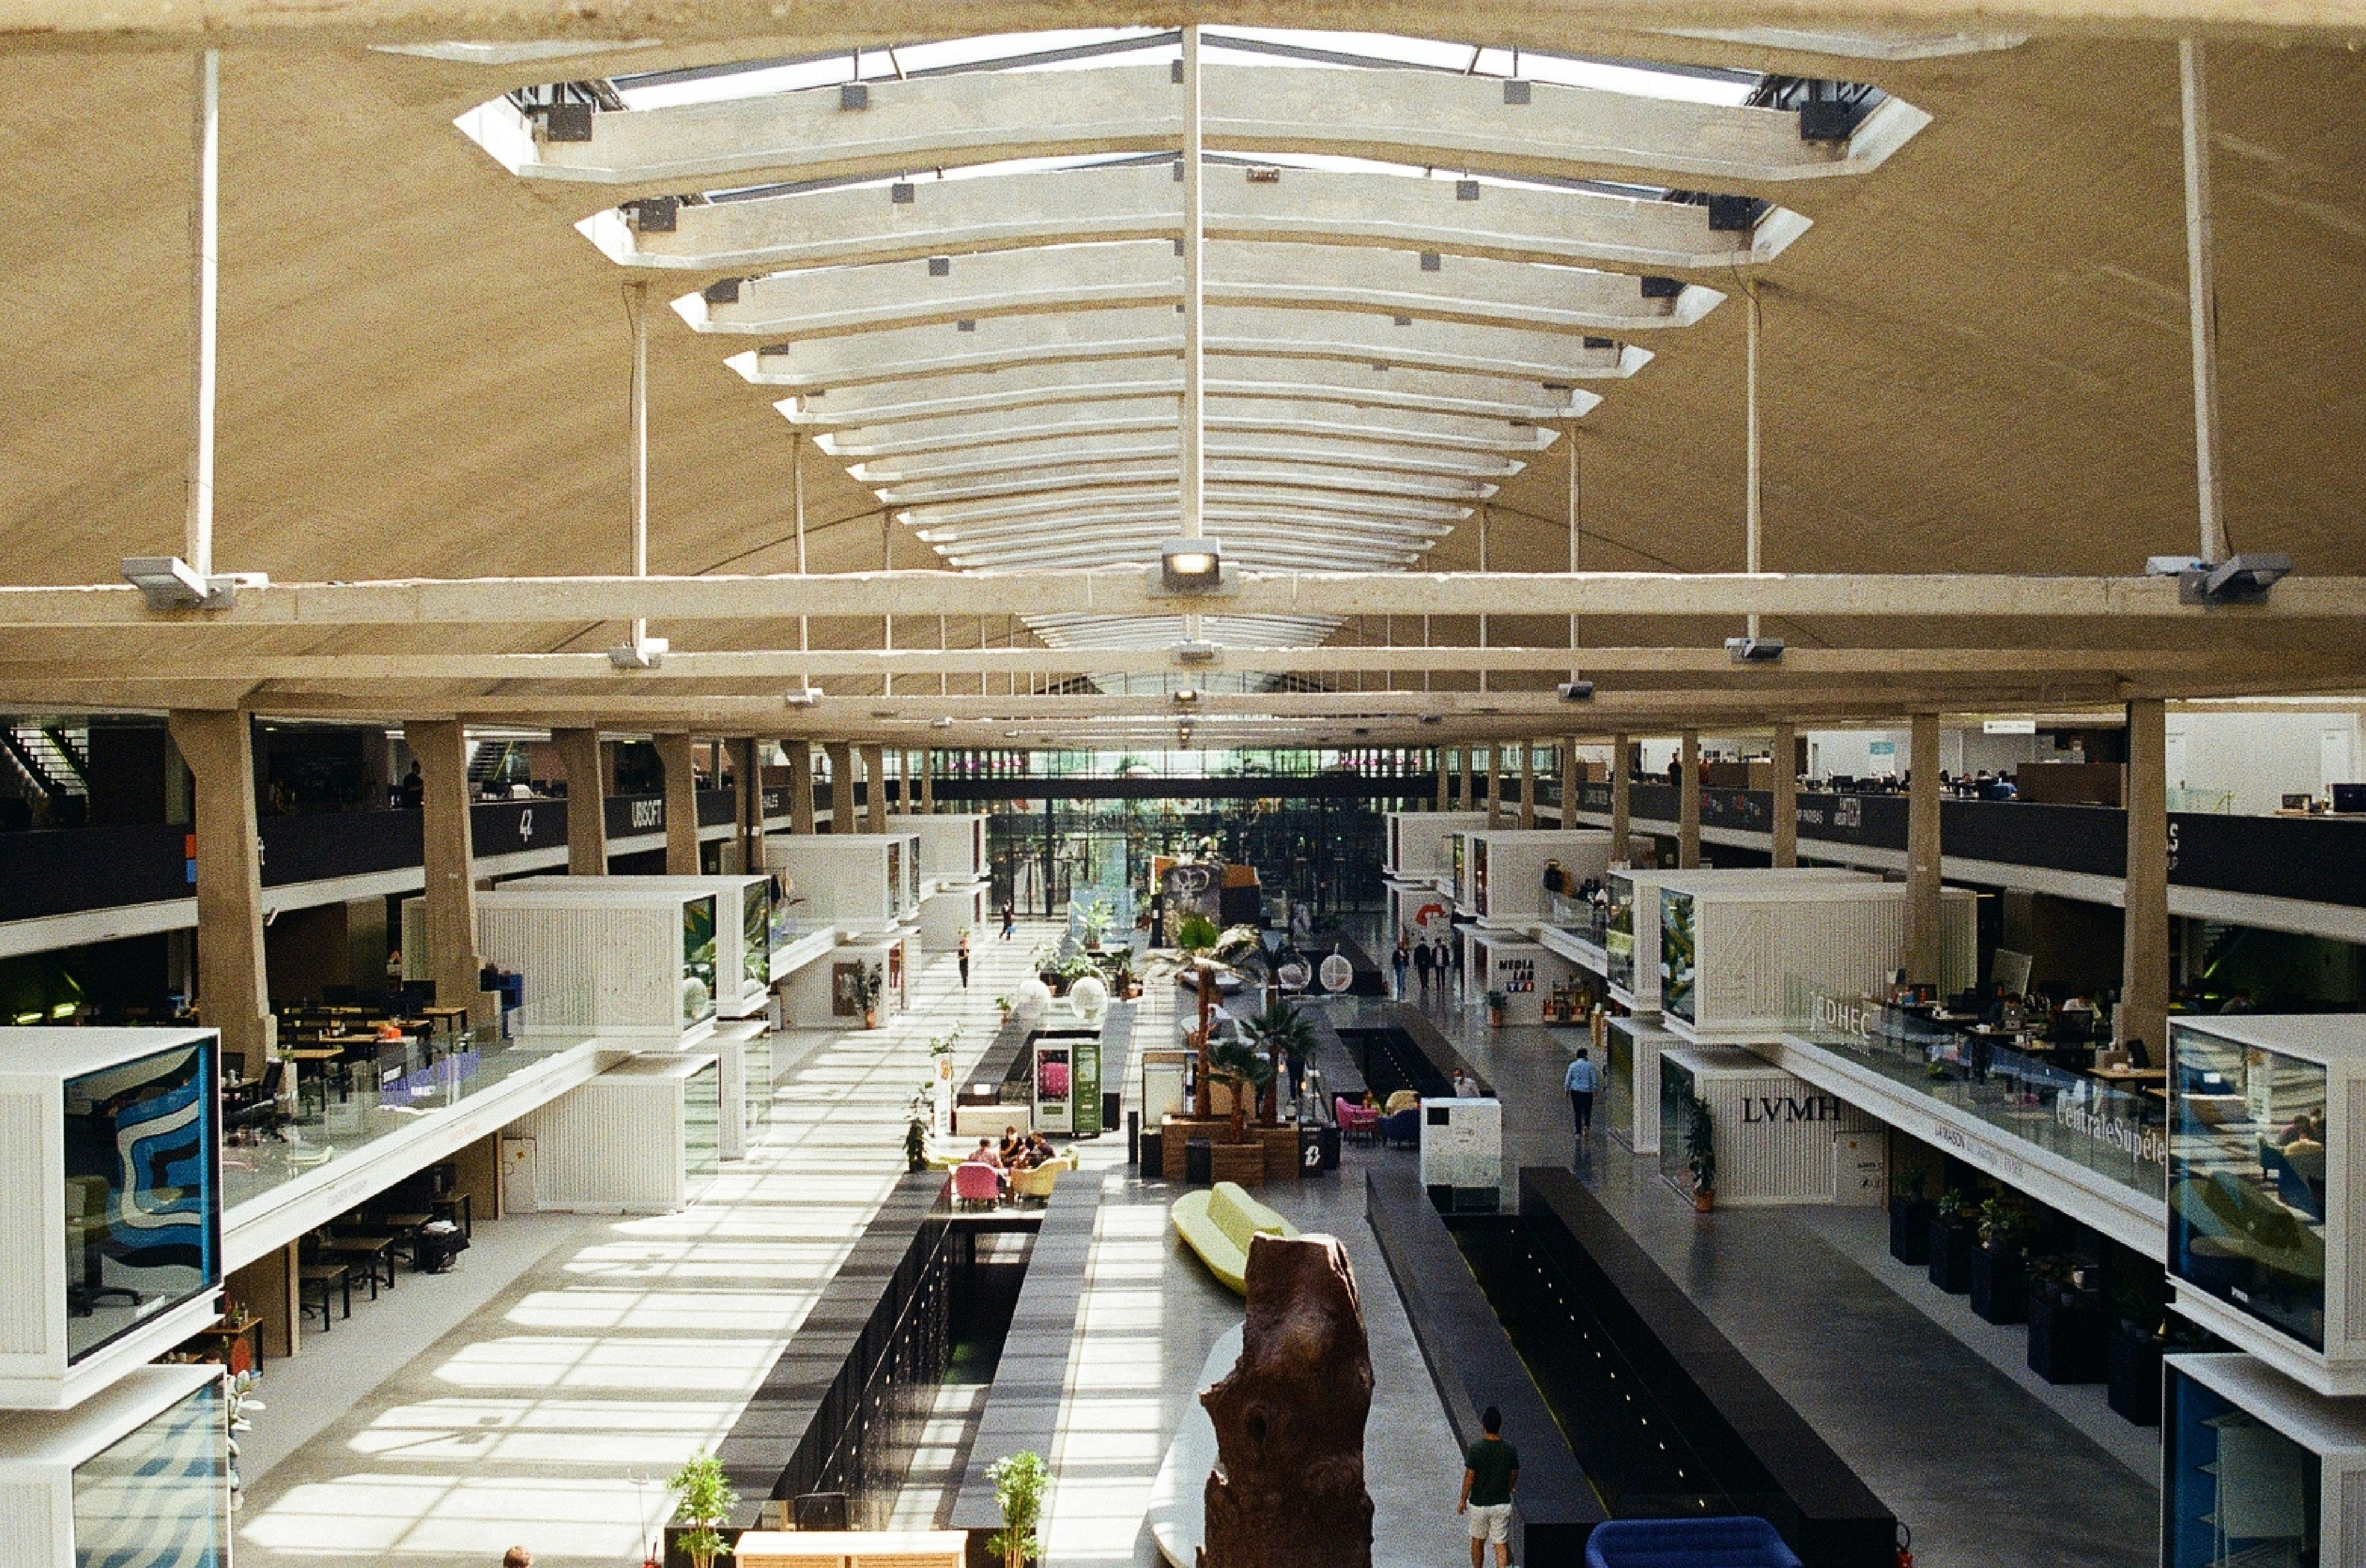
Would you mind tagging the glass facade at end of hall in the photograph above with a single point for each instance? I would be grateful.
(2246, 1179)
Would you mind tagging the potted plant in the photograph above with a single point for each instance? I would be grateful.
(1496, 1001)
(707, 1502)
(1238, 1064)
(1999, 1294)
(1002, 1004)
(918, 1114)
(2139, 1335)
(238, 1398)
(1095, 922)
(1018, 1483)
(1203, 952)
(1909, 1217)
(2066, 1326)
(1700, 1152)
(871, 986)
(1954, 1239)
(1281, 1031)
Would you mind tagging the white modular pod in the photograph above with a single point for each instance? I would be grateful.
(952, 846)
(858, 882)
(1516, 969)
(1501, 876)
(830, 994)
(1730, 953)
(642, 1138)
(1776, 1136)
(743, 1060)
(138, 1474)
(2256, 1469)
(1628, 1101)
(743, 926)
(2266, 1118)
(633, 964)
(1417, 850)
(1462, 1145)
(1630, 937)
(946, 915)
(110, 1204)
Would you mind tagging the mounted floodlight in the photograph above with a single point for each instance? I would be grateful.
(1187, 694)
(1190, 566)
(644, 653)
(1575, 691)
(801, 696)
(943, 721)
(1433, 719)
(1197, 650)
(2238, 580)
(2172, 566)
(1753, 649)
(168, 583)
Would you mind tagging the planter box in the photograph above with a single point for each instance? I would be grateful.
(1280, 1151)
(2000, 1287)
(1951, 1246)
(1909, 1230)
(2132, 1364)
(1178, 1132)
(1241, 1163)
(2065, 1341)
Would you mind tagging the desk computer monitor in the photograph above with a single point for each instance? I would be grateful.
(2349, 798)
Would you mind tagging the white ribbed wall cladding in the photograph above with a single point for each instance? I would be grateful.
(590, 969)
(1844, 943)
(2351, 1107)
(30, 1520)
(26, 1225)
(1515, 865)
(1775, 1132)
(614, 1144)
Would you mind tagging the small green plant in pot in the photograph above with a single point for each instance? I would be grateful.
(706, 1501)
(1700, 1150)
(918, 1114)
(1020, 1481)
(1496, 1001)
(871, 986)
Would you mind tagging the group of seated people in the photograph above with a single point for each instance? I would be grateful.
(1017, 1151)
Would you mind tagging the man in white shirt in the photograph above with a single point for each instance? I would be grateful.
(1581, 1081)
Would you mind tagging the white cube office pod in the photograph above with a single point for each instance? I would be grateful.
(642, 1138)
(950, 914)
(628, 962)
(1463, 1148)
(1417, 850)
(1628, 1101)
(1730, 953)
(110, 1204)
(136, 1473)
(1522, 973)
(1630, 937)
(743, 926)
(2266, 1117)
(952, 846)
(1776, 1136)
(2256, 1469)
(1500, 875)
(858, 882)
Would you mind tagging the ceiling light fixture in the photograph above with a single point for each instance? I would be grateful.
(1753, 649)
(801, 696)
(1191, 566)
(168, 583)
(1575, 691)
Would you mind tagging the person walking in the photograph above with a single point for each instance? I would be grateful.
(962, 954)
(1009, 919)
(1421, 966)
(1454, 954)
(1490, 1472)
(1400, 961)
(1582, 1080)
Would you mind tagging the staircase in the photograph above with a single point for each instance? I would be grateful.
(49, 761)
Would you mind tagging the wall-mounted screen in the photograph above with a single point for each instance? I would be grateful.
(1679, 954)
(697, 959)
(1618, 932)
(756, 934)
(143, 1192)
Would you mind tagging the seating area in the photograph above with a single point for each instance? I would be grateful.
(424, 1223)
(1218, 1225)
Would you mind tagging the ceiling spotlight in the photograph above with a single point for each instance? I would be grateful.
(801, 696)
(168, 583)
(1190, 566)
(1433, 719)
(1197, 650)
(944, 721)
(2238, 580)
(1187, 693)
(1753, 649)
(1575, 691)
(1010, 735)
(643, 653)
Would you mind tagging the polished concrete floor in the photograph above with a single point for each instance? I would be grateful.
(549, 1412)
(1984, 1471)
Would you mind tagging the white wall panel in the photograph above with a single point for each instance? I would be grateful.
(25, 1227)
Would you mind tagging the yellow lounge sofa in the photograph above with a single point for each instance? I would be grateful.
(1217, 1225)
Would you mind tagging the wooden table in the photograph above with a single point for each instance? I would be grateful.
(451, 1018)
(369, 1251)
(851, 1549)
(2129, 1075)
(328, 1277)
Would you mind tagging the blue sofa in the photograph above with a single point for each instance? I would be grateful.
(1743, 1542)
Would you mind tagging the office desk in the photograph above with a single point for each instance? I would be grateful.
(2121, 1077)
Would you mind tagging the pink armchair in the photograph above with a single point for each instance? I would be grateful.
(1356, 1121)
(974, 1183)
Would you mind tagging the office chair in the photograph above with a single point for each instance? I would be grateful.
(86, 1228)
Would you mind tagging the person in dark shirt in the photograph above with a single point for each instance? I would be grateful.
(1490, 1471)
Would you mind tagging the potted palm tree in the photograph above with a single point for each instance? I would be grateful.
(917, 1112)
(1202, 953)
(705, 1503)
(1700, 1152)
(871, 986)
(1020, 1481)
(1281, 1031)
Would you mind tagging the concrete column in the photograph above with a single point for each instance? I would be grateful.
(928, 782)
(748, 800)
(1621, 800)
(840, 754)
(587, 814)
(874, 772)
(1787, 797)
(1922, 852)
(233, 991)
(1689, 803)
(1495, 784)
(1444, 779)
(1469, 800)
(1528, 783)
(678, 757)
(801, 785)
(2144, 983)
(1569, 781)
(451, 961)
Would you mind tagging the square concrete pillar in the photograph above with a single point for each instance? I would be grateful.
(449, 851)
(1621, 800)
(1787, 797)
(2143, 1011)
(1689, 803)
(678, 757)
(1528, 785)
(842, 817)
(587, 812)
(1923, 852)
(233, 988)
(801, 784)
(874, 787)
(748, 802)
